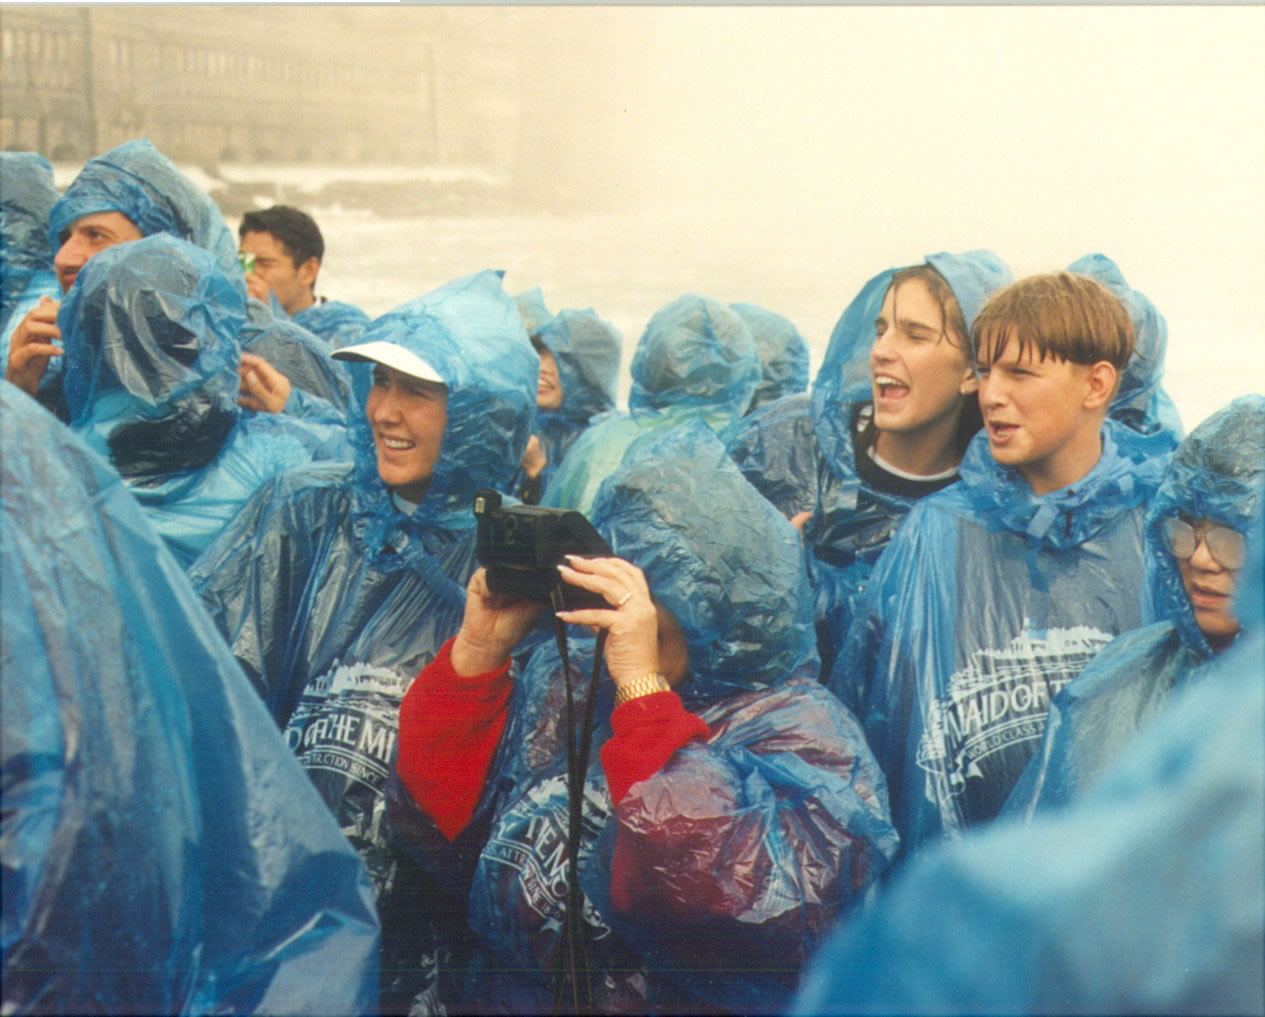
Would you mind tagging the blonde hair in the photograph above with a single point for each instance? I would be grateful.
(1059, 314)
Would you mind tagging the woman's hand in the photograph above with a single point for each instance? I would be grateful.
(631, 622)
(490, 629)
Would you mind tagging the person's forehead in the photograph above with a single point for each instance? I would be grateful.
(112, 220)
(263, 242)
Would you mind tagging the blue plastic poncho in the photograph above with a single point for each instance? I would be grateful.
(783, 354)
(587, 351)
(162, 851)
(532, 308)
(988, 600)
(151, 383)
(338, 323)
(304, 359)
(1145, 896)
(26, 262)
(744, 847)
(696, 358)
(1140, 402)
(332, 598)
(1217, 473)
(142, 183)
(799, 451)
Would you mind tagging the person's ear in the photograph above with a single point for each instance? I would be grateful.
(308, 271)
(970, 381)
(1100, 385)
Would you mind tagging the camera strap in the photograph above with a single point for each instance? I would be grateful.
(572, 976)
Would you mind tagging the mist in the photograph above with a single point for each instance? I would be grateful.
(620, 156)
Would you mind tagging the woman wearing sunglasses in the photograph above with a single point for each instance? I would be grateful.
(1195, 546)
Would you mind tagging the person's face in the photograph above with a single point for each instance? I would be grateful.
(86, 237)
(408, 416)
(291, 283)
(548, 384)
(1210, 586)
(919, 376)
(1034, 414)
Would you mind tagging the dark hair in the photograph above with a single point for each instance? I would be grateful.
(1059, 314)
(296, 231)
(954, 332)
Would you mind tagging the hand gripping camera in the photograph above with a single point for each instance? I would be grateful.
(521, 547)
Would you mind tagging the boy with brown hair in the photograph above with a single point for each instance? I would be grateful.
(997, 590)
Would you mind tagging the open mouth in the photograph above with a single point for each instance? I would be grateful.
(1001, 433)
(396, 444)
(889, 388)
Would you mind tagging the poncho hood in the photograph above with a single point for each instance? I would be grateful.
(587, 350)
(142, 183)
(27, 195)
(717, 555)
(844, 375)
(695, 353)
(150, 332)
(783, 354)
(1217, 473)
(470, 332)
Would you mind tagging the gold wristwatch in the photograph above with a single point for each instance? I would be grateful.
(646, 685)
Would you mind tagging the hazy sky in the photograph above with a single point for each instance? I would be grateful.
(1041, 132)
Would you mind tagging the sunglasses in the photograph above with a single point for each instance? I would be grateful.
(1227, 546)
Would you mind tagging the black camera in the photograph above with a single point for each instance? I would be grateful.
(521, 547)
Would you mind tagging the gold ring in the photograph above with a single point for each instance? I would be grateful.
(624, 599)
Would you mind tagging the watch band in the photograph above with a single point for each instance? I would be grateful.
(646, 685)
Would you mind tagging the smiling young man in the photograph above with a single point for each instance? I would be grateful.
(998, 590)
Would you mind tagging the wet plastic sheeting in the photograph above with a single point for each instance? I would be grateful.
(1146, 896)
(1217, 473)
(783, 354)
(163, 853)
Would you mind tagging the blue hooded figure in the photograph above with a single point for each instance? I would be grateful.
(337, 583)
(696, 358)
(783, 354)
(1141, 402)
(1145, 895)
(533, 309)
(579, 354)
(149, 330)
(335, 321)
(996, 591)
(143, 184)
(707, 883)
(163, 852)
(819, 454)
(1216, 475)
(27, 195)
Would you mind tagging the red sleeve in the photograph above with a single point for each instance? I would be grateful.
(449, 729)
(647, 731)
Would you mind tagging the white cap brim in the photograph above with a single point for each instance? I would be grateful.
(391, 355)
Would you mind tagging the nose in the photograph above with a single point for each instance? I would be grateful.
(72, 254)
(1202, 559)
(385, 406)
(992, 391)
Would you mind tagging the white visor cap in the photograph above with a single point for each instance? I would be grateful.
(391, 355)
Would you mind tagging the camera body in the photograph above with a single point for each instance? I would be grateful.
(521, 547)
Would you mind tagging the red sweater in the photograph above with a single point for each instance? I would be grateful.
(450, 726)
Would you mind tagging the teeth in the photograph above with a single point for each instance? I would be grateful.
(396, 443)
(887, 379)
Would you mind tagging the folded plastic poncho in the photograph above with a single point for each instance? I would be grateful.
(338, 323)
(532, 308)
(587, 351)
(26, 261)
(1147, 895)
(151, 383)
(304, 359)
(1217, 473)
(989, 600)
(1140, 402)
(162, 851)
(783, 354)
(744, 847)
(142, 183)
(696, 358)
(799, 451)
(332, 598)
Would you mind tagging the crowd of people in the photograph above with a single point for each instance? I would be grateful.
(933, 684)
